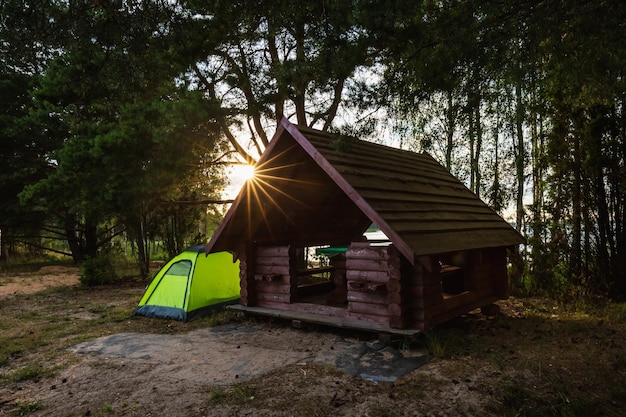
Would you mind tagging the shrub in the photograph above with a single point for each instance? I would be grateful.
(98, 271)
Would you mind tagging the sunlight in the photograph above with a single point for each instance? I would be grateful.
(245, 172)
(239, 174)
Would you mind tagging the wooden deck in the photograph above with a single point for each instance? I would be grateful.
(332, 321)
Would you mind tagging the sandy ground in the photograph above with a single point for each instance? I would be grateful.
(47, 276)
(158, 374)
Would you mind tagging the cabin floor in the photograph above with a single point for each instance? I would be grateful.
(298, 317)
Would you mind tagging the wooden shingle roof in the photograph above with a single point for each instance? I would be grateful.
(314, 188)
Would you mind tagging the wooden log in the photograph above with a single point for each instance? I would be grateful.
(274, 287)
(366, 265)
(397, 322)
(394, 309)
(368, 308)
(270, 251)
(369, 317)
(274, 305)
(394, 285)
(271, 270)
(246, 285)
(396, 297)
(364, 244)
(427, 263)
(376, 276)
(267, 277)
(369, 253)
(367, 286)
(367, 298)
(272, 261)
(277, 298)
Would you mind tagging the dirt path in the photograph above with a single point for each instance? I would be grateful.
(32, 282)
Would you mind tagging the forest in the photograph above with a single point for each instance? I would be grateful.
(120, 120)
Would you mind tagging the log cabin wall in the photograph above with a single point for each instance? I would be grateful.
(274, 276)
(246, 277)
(486, 272)
(375, 284)
(491, 275)
(432, 290)
(484, 281)
(413, 291)
(367, 276)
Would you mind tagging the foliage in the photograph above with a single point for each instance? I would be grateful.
(127, 134)
(266, 60)
(98, 271)
(525, 102)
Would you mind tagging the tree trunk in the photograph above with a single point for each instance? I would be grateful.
(451, 122)
(91, 238)
(520, 157)
(73, 241)
(143, 256)
(478, 148)
(576, 259)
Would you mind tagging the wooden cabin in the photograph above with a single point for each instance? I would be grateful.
(298, 228)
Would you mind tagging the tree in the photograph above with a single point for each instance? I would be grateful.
(262, 61)
(131, 135)
(23, 30)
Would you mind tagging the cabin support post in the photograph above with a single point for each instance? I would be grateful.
(397, 305)
(247, 291)
(339, 295)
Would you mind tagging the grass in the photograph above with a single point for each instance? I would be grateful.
(28, 372)
(235, 394)
(25, 408)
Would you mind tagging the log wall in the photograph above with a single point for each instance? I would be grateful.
(274, 275)
(378, 285)
(413, 292)
(485, 281)
(247, 293)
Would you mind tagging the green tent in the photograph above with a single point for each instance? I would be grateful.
(191, 284)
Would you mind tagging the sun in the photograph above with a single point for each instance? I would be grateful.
(245, 172)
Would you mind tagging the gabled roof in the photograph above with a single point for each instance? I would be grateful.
(313, 188)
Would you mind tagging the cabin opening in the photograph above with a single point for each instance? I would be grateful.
(452, 274)
(319, 275)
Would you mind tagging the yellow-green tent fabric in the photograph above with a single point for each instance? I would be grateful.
(191, 284)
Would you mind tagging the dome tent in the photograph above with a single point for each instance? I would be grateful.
(191, 284)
